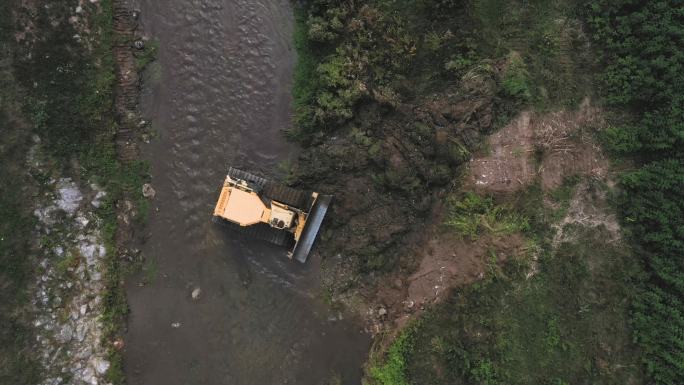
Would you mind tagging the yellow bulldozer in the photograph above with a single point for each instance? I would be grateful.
(269, 211)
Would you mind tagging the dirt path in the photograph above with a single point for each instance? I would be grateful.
(221, 96)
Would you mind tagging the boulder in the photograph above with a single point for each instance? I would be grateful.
(148, 191)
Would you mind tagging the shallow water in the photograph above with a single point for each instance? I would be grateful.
(221, 95)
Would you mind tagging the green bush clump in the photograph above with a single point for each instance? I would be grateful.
(472, 215)
(392, 369)
(516, 81)
(344, 51)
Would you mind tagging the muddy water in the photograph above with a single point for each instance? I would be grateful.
(221, 95)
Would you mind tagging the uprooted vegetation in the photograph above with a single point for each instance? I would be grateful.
(393, 97)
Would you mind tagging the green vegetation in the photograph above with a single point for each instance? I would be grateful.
(392, 369)
(641, 44)
(381, 89)
(564, 325)
(17, 364)
(66, 79)
(392, 51)
(392, 96)
(473, 215)
(556, 316)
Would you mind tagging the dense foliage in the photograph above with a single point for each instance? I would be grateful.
(642, 43)
(17, 364)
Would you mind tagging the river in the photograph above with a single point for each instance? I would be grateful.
(220, 94)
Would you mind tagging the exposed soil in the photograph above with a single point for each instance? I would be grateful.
(510, 164)
(128, 81)
(446, 261)
(551, 146)
(545, 147)
(588, 208)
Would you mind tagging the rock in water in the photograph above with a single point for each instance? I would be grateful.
(196, 293)
(148, 191)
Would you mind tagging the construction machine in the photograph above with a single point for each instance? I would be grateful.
(271, 212)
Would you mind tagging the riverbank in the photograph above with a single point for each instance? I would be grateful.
(462, 144)
(59, 98)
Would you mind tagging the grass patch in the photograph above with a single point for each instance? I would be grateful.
(147, 56)
(472, 215)
(548, 38)
(392, 368)
(306, 78)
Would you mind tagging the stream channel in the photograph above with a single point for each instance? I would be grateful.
(219, 94)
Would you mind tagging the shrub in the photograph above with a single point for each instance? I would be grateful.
(393, 370)
(515, 82)
(472, 215)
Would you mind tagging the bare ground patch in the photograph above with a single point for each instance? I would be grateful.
(446, 260)
(551, 146)
(587, 209)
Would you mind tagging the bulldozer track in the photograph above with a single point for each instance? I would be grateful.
(261, 231)
(292, 197)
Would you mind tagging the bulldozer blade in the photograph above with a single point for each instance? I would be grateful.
(313, 224)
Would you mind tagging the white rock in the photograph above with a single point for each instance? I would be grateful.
(45, 215)
(81, 331)
(148, 191)
(82, 221)
(70, 196)
(65, 334)
(88, 376)
(101, 365)
(83, 309)
(97, 201)
(196, 293)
